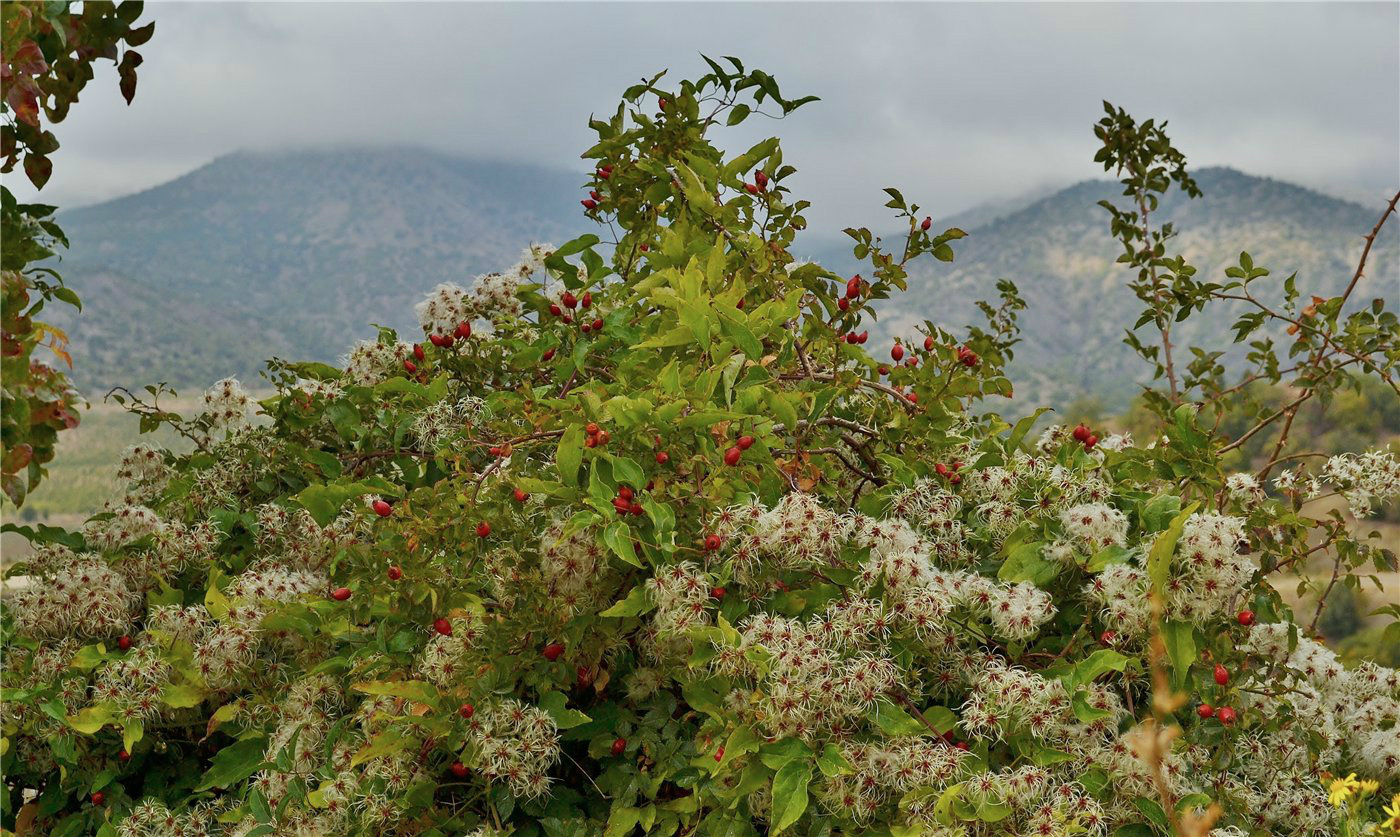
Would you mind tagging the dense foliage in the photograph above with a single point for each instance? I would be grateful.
(47, 52)
(639, 536)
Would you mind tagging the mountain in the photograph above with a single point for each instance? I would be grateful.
(292, 254)
(295, 254)
(1058, 252)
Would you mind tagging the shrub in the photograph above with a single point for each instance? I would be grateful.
(640, 536)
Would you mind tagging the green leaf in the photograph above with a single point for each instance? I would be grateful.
(1025, 563)
(833, 763)
(132, 732)
(789, 794)
(417, 691)
(1180, 638)
(323, 501)
(894, 721)
(636, 603)
(555, 703)
(1159, 559)
(1084, 712)
(389, 741)
(569, 455)
(91, 719)
(618, 537)
(182, 696)
(621, 820)
(1097, 663)
(234, 763)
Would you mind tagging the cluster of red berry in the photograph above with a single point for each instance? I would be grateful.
(1083, 436)
(626, 501)
(732, 456)
(759, 184)
(595, 198)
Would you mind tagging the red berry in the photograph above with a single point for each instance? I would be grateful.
(961, 745)
(912, 398)
(843, 304)
(883, 370)
(1222, 674)
(928, 222)
(124, 755)
(1226, 715)
(928, 344)
(637, 509)
(589, 204)
(955, 479)
(1246, 617)
(598, 324)
(618, 746)
(552, 651)
(593, 193)
(464, 330)
(418, 351)
(459, 770)
(520, 496)
(555, 309)
(717, 592)
(587, 299)
(410, 366)
(382, 508)
(442, 626)
(1090, 442)
(395, 573)
(494, 450)
(941, 469)
(603, 437)
(662, 457)
(853, 338)
(340, 594)
(862, 337)
(466, 710)
(745, 442)
(1107, 637)
(1080, 433)
(731, 456)
(622, 506)
(98, 798)
(750, 188)
(442, 341)
(897, 353)
(644, 248)
(548, 355)
(590, 442)
(761, 179)
(483, 529)
(605, 173)
(719, 754)
(570, 301)
(1205, 711)
(712, 542)
(624, 492)
(124, 642)
(591, 429)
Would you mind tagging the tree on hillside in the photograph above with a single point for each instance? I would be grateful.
(47, 54)
(642, 534)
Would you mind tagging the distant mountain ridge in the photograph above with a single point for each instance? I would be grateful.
(292, 254)
(295, 254)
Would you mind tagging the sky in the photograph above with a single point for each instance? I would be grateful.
(956, 104)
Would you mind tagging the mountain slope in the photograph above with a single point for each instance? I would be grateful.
(296, 254)
(1059, 253)
(290, 254)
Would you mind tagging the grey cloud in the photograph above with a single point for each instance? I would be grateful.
(955, 103)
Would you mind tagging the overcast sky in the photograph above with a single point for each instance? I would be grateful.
(957, 104)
